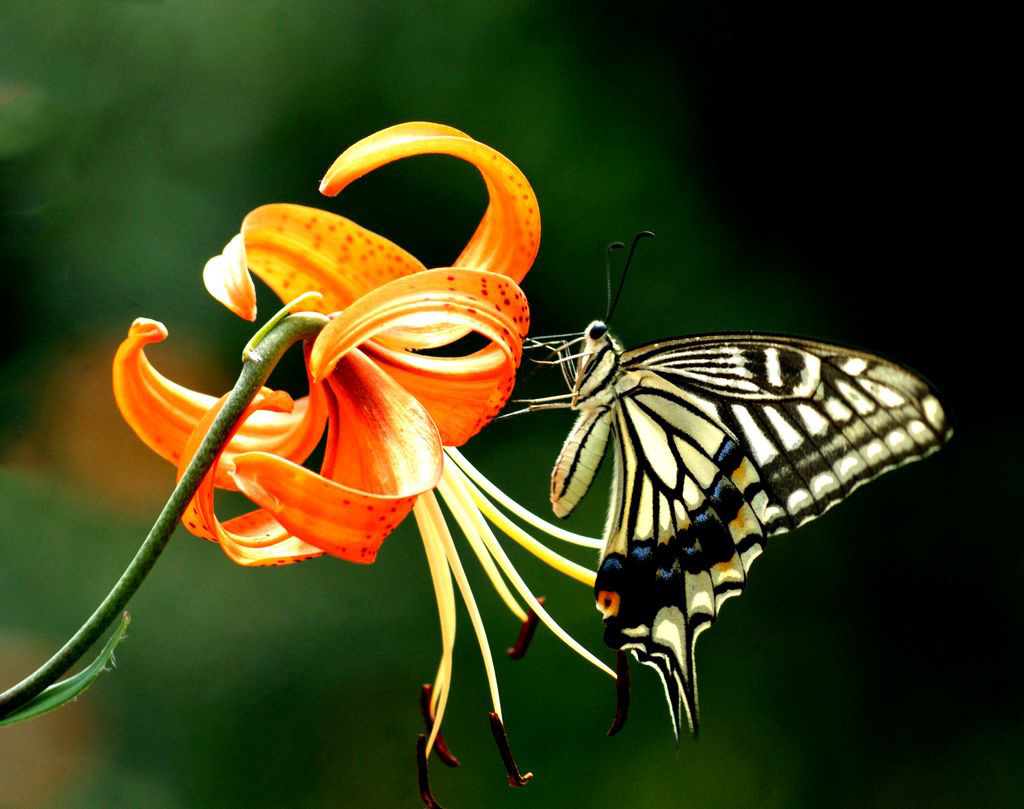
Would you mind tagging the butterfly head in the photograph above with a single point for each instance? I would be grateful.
(596, 330)
(597, 366)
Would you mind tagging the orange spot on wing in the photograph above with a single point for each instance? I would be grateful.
(608, 603)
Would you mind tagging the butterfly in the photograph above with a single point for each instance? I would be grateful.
(720, 441)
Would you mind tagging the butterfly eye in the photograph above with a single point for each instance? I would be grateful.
(597, 330)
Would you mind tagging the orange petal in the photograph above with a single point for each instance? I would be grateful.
(507, 237)
(410, 312)
(296, 249)
(164, 414)
(460, 393)
(382, 452)
(227, 278)
(252, 539)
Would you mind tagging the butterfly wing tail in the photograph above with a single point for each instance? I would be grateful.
(680, 686)
(669, 650)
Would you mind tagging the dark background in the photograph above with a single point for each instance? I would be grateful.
(830, 173)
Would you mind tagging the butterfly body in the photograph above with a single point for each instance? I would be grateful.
(720, 441)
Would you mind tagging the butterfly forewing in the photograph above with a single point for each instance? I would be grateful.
(721, 441)
(816, 420)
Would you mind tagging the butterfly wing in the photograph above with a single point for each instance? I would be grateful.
(579, 459)
(720, 442)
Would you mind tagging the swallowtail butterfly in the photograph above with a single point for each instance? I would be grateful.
(720, 441)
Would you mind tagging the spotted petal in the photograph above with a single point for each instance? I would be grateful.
(164, 414)
(507, 237)
(382, 452)
(460, 393)
(295, 249)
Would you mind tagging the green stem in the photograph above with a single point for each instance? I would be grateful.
(255, 372)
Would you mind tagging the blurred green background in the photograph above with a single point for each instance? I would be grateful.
(806, 171)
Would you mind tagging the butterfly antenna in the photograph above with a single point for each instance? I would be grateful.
(643, 234)
(608, 269)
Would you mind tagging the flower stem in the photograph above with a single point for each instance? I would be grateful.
(255, 372)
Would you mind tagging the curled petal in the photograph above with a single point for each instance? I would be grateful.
(410, 312)
(460, 393)
(507, 237)
(330, 517)
(295, 249)
(252, 539)
(161, 412)
(382, 452)
(227, 278)
(164, 414)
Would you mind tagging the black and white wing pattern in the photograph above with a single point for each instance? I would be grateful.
(721, 441)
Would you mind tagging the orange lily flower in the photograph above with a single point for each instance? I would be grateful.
(397, 407)
(393, 414)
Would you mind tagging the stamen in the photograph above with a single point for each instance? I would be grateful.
(582, 574)
(487, 562)
(468, 525)
(467, 593)
(458, 492)
(621, 692)
(570, 568)
(525, 634)
(424, 777)
(438, 688)
(515, 778)
(522, 513)
(528, 596)
(445, 595)
(440, 747)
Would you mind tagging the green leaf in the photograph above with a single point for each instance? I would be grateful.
(66, 690)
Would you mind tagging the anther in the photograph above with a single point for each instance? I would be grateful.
(525, 633)
(621, 692)
(440, 747)
(421, 768)
(515, 778)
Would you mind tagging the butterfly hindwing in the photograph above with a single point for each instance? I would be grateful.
(681, 537)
